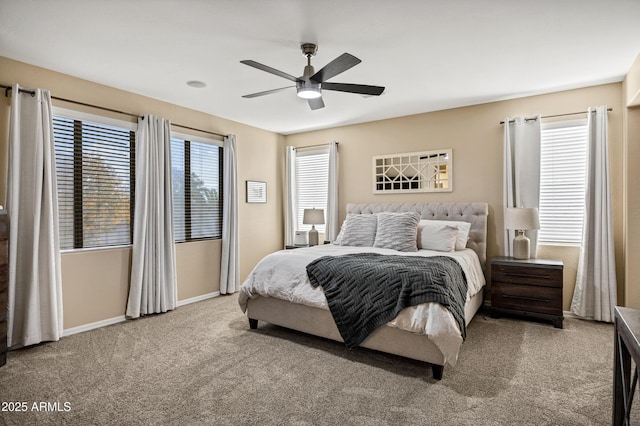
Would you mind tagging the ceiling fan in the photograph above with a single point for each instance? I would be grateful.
(311, 84)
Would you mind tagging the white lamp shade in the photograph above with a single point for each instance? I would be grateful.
(521, 218)
(313, 216)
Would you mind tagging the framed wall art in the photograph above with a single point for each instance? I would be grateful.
(256, 192)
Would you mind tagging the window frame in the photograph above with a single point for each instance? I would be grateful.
(556, 241)
(301, 152)
(187, 137)
(107, 121)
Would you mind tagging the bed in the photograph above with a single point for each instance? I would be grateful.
(278, 290)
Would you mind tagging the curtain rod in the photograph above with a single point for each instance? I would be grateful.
(552, 116)
(7, 89)
(314, 146)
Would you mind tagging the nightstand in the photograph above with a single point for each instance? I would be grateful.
(530, 287)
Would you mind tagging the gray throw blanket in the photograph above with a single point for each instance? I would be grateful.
(367, 290)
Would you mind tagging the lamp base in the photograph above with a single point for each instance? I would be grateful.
(521, 246)
(313, 236)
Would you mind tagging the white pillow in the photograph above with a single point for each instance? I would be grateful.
(462, 227)
(437, 236)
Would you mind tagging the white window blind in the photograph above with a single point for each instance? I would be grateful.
(95, 172)
(312, 183)
(563, 163)
(197, 189)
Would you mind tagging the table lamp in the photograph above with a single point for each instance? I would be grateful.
(313, 217)
(521, 219)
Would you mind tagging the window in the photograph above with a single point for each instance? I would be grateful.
(563, 165)
(197, 188)
(312, 183)
(96, 173)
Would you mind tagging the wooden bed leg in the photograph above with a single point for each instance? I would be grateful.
(253, 323)
(437, 371)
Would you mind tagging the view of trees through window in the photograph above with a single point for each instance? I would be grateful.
(197, 189)
(95, 170)
(95, 176)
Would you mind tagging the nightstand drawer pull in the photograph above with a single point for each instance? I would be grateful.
(534, 299)
(535, 277)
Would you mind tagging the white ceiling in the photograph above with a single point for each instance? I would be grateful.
(430, 55)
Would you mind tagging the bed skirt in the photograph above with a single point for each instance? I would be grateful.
(319, 322)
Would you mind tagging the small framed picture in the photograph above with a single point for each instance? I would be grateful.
(256, 192)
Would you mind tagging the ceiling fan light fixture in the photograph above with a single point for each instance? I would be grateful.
(309, 92)
(310, 84)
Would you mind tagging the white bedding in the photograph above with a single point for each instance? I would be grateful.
(283, 275)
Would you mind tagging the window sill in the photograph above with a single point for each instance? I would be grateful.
(84, 250)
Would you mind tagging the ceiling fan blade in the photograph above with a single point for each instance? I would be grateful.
(270, 70)
(362, 89)
(266, 92)
(335, 67)
(316, 103)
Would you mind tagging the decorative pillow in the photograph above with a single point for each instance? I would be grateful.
(359, 230)
(397, 231)
(338, 240)
(463, 230)
(436, 236)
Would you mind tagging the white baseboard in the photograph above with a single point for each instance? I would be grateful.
(93, 325)
(198, 298)
(122, 318)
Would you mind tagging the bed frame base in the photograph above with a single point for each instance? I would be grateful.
(253, 323)
(319, 322)
(437, 371)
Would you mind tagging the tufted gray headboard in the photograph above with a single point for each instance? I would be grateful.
(474, 213)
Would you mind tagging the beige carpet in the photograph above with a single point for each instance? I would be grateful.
(200, 364)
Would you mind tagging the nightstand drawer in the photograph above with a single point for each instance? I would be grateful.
(4, 277)
(3, 304)
(4, 227)
(544, 300)
(538, 276)
(4, 252)
(3, 337)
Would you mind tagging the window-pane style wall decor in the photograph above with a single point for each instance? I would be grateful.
(426, 171)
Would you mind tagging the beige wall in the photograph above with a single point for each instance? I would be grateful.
(475, 135)
(95, 283)
(631, 126)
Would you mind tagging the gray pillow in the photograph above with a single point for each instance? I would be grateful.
(397, 231)
(359, 230)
